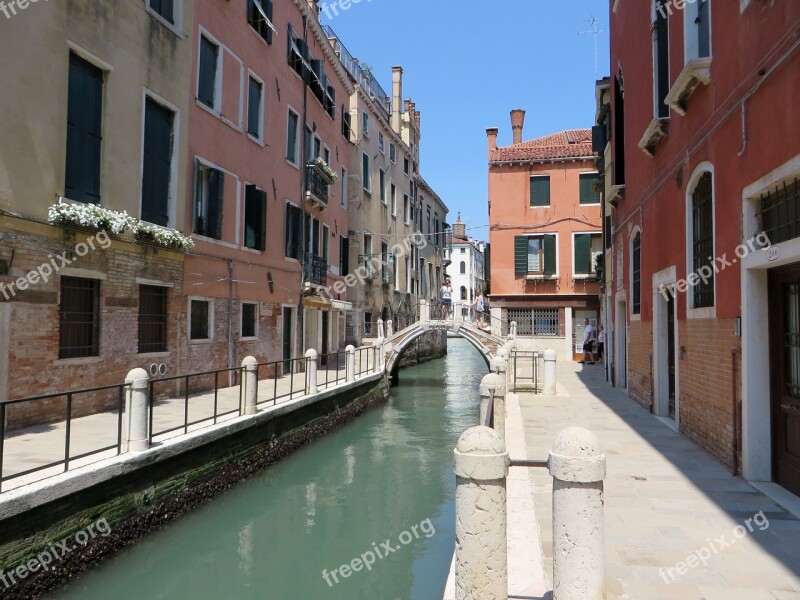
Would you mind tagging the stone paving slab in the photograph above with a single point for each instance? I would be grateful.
(666, 500)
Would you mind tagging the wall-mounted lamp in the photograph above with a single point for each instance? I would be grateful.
(270, 282)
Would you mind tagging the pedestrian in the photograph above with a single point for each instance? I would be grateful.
(480, 307)
(447, 299)
(601, 343)
(588, 342)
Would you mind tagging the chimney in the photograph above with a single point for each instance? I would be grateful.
(397, 98)
(491, 133)
(517, 122)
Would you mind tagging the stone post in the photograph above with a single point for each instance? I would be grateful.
(491, 383)
(424, 311)
(311, 371)
(381, 331)
(550, 371)
(379, 359)
(389, 328)
(481, 466)
(250, 380)
(139, 414)
(513, 333)
(350, 363)
(578, 468)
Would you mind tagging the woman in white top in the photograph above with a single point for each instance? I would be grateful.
(447, 299)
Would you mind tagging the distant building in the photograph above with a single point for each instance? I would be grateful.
(546, 236)
(466, 269)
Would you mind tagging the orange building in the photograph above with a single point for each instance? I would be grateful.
(545, 235)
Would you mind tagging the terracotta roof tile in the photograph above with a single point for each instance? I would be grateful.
(571, 143)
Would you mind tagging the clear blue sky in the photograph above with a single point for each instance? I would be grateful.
(467, 64)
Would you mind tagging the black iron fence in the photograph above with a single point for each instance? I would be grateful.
(291, 371)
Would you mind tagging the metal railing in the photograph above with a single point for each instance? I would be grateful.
(335, 362)
(195, 385)
(292, 370)
(527, 369)
(7, 408)
(317, 183)
(316, 270)
(365, 361)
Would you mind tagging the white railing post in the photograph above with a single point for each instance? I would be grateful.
(381, 330)
(494, 384)
(424, 311)
(389, 328)
(350, 364)
(377, 348)
(311, 371)
(578, 468)
(250, 380)
(549, 387)
(513, 332)
(481, 467)
(138, 438)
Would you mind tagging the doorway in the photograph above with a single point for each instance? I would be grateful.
(664, 357)
(784, 325)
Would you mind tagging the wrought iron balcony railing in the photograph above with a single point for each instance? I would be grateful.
(316, 270)
(317, 182)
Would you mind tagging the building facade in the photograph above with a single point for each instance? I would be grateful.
(467, 267)
(704, 193)
(546, 235)
(92, 187)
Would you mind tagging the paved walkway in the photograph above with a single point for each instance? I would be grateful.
(666, 501)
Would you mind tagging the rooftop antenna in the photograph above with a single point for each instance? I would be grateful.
(596, 33)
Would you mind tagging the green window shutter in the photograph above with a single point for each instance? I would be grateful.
(549, 254)
(588, 193)
(216, 194)
(540, 190)
(84, 131)
(267, 5)
(521, 255)
(199, 226)
(156, 163)
(583, 253)
(288, 232)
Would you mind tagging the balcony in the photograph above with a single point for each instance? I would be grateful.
(316, 271)
(317, 182)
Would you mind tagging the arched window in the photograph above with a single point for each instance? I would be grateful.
(700, 213)
(463, 267)
(636, 274)
(463, 292)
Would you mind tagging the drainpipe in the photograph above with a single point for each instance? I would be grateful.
(231, 357)
(301, 341)
(737, 416)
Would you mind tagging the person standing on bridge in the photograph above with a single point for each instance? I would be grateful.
(480, 307)
(447, 298)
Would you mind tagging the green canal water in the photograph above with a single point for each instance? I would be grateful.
(385, 480)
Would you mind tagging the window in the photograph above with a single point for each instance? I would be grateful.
(254, 106)
(463, 293)
(660, 60)
(589, 188)
(164, 8)
(157, 163)
(393, 195)
(259, 17)
(436, 238)
(382, 185)
(347, 124)
(79, 318)
(207, 77)
(697, 29)
(428, 221)
(392, 152)
(535, 254)
(386, 264)
(293, 124)
(381, 143)
(365, 124)
(200, 320)
(587, 247)
(255, 218)
(543, 322)
(209, 200)
(780, 212)
(152, 319)
(703, 239)
(249, 320)
(294, 217)
(366, 175)
(84, 131)
(636, 274)
(540, 190)
(463, 268)
(326, 244)
(344, 256)
(298, 54)
(405, 166)
(463, 250)
(344, 187)
(406, 210)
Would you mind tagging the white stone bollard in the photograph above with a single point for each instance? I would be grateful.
(491, 383)
(578, 468)
(379, 359)
(350, 364)
(138, 417)
(550, 371)
(250, 366)
(381, 331)
(424, 311)
(513, 333)
(481, 467)
(311, 371)
(389, 328)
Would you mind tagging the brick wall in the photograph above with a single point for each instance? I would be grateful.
(640, 349)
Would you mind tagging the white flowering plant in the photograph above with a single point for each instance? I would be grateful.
(320, 163)
(97, 217)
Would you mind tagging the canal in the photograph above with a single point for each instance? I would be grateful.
(380, 490)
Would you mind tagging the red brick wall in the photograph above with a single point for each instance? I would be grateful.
(640, 349)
